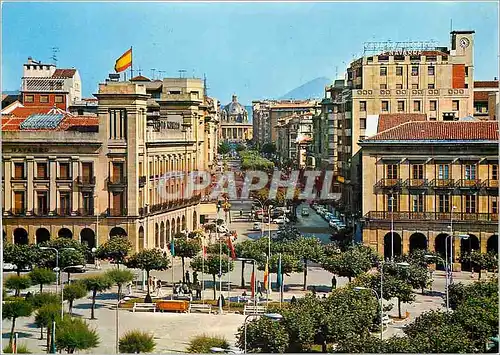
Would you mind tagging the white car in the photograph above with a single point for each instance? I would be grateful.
(281, 220)
(9, 267)
(257, 226)
(333, 224)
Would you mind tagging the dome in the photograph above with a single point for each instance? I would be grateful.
(234, 111)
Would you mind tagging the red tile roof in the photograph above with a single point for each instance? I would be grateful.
(440, 130)
(486, 84)
(140, 78)
(389, 120)
(24, 112)
(481, 95)
(11, 123)
(64, 73)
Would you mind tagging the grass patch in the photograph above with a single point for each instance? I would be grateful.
(203, 343)
(21, 349)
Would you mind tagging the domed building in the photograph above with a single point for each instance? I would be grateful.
(234, 122)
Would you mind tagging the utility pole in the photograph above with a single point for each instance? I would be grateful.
(153, 73)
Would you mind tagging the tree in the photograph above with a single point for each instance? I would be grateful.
(116, 249)
(22, 256)
(47, 258)
(17, 283)
(268, 148)
(72, 292)
(264, 335)
(120, 278)
(136, 341)
(480, 261)
(459, 293)
(45, 316)
(149, 259)
(240, 147)
(249, 249)
(224, 148)
(44, 298)
(353, 262)
(289, 263)
(74, 334)
(186, 248)
(308, 249)
(94, 284)
(71, 258)
(41, 276)
(13, 310)
(212, 263)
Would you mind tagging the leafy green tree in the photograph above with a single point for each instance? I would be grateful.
(308, 249)
(44, 298)
(74, 334)
(212, 263)
(240, 147)
(94, 284)
(115, 249)
(350, 263)
(249, 249)
(22, 256)
(459, 293)
(41, 276)
(224, 148)
(481, 261)
(17, 283)
(67, 257)
(136, 341)
(71, 258)
(269, 148)
(289, 263)
(186, 248)
(72, 292)
(149, 259)
(13, 310)
(264, 335)
(120, 278)
(45, 316)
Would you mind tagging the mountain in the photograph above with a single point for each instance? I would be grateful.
(314, 89)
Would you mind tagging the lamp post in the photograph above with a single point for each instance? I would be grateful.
(272, 316)
(253, 261)
(450, 265)
(445, 264)
(360, 288)
(62, 287)
(392, 227)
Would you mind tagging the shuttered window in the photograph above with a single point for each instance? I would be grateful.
(19, 170)
(41, 170)
(19, 201)
(64, 170)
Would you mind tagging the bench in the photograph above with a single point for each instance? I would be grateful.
(254, 310)
(144, 307)
(197, 307)
(172, 306)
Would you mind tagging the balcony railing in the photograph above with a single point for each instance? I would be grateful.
(18, 211)
(63, 211)
(416, 183)
(469, 183)
(388, 183)
(443, 183)
(86, 180)
(64, 178)
(85, 211)
(431, 216)
(491, 184)
(117, 182)
(117, 212)
(18, 178)
(172, 205)
(41, 212)
(142, 181)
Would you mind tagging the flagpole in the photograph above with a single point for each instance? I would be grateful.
(131, 64)
(228, 279)
(280, 278)
(203, 269)
(268, 283)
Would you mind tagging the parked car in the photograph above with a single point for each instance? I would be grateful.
(257, 226)
(341, 225)
(281, 220)
(12, 267)
(305, 211)
(74, 270)
(333, 224)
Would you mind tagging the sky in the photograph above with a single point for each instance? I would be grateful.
(254, 50)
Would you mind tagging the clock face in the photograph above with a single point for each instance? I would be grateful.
(464, 42)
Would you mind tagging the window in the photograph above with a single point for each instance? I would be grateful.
(58, 99)
(466, 71)
(417, 171)
(29, 98)
(470, 172)
(430, 70)
(41, 171)
(494, 205)
(430, 86)
(64, 171)
(443, 171)
(443, 203)
(383, 71)
(416, 106)
(64, 205)
(362, 106)
(385, 106)
(18, 202)
(401, 106)
(417, 202)
(455, 105)
(414, 70)
(383, 86)
(88, 203)
(414, 86)
(399, 86)
(470, 204)
(19, 171)
(494, 172)
(433, 105)
(41, 203)
(392, 171)
(392, 203)
(399, 71)
(362, 123)
(430, 58)
(44, 99)
(117, 173)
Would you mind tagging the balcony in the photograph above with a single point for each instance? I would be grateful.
(19, 211)
(64, 179)
(41, 212)
(63, 211)
(85, 181)
(416, 183)
(490, 184)
(431, 216)
(117, 212)
(85, 211)
(171, 205)
(443, 183)
(117, 183)
(18, 179)
(41, 178)
(142, 181)
(388, 183)
(468, 183)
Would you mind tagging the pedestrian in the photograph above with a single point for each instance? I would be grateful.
(259, 288)
(334, 282)
(198, 290)
(313, 291)
(158, 288)
(195, 277)
(154, 283)
(150, 282)
(188, 277)
(241, 213)
(293, 300)
(185, 289)
(129, 288)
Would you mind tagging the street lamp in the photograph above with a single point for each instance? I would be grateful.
(273, 316)
(361, 288)
(253, 261)
(392, 226)
(58, 275)
(445, 264)
(62, 287)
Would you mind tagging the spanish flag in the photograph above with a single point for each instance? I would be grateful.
(124, 62)
(266, 276)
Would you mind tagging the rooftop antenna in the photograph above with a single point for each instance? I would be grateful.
(161, 72)
(205, 84)
(55, 50)
(181, 73)
(153, 73)
(193, 74)
(139, 70)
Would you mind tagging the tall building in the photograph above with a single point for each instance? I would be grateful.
(486, 100)
(295, 136)
(234, 125)
(424, 180)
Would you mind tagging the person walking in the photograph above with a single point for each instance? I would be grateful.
(158, 288)
(188, 277)
(334, 282)
(154, 283)
(195, 277)
(150, 282)
(129, 288)
(198, 290)
(259, 288)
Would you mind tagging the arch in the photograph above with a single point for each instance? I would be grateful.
(173, 227)
(466, 246)
(418, 241)
(162, 235)
(178, 230)
(388, 245)
(167, 226)
(87, 237)
(141, 238)
(42, 235)
(492, 244)
(65, 233)
(157, 235)
(440, 246)
(184, 225)
(195, 220)
(20, 236)
(117, 232)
